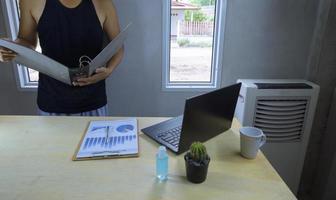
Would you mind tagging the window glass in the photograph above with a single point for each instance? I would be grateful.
(191, 40)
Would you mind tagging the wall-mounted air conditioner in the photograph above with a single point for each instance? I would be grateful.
(284, 110)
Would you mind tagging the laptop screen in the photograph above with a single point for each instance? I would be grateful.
(208, 115)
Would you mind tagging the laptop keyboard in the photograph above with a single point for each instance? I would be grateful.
(171, 136)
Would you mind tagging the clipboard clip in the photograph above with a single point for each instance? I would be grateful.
(109, 152)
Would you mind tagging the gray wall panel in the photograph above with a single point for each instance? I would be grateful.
(267, 39)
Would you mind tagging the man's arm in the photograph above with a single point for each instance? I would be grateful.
(27, 35)
(112, 29)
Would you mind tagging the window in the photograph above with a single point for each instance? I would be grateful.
(26, 78)
(193, 43)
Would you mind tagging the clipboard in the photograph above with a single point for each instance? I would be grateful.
(122, 140)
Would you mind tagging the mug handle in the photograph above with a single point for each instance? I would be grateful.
(262, 140)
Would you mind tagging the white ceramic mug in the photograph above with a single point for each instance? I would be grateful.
(251, 139)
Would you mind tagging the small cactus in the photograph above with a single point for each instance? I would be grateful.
(198, 152)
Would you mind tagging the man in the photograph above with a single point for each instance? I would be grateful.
(67, 30)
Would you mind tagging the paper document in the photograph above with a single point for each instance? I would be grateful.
(109, 138)
(58, 71)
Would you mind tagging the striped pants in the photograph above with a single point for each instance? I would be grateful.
(100, 112)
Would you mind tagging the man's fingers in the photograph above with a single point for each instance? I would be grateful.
(88, 79)
(3, 50)
(8, 55)
(81, 84)
(83, 80)
(100, 70)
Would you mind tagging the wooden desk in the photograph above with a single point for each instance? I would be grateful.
(35, 164)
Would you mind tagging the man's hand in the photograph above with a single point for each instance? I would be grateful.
(112, 28)
(6, 55)
(101, 74)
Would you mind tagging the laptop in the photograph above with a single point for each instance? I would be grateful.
(205, 117)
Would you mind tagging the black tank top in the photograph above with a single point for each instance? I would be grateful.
(65, 35)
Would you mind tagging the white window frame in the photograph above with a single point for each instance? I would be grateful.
(10, 11)
(217, 57)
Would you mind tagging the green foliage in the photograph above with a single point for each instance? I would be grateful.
(183, 42)
(196, 16)
(211, 19)
(201, 44)
(198, 152)
(203, 2)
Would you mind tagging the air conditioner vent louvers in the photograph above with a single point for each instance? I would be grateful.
(270, 113)
(284, 110)
(281, 120)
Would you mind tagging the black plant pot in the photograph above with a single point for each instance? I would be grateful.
(196, 172)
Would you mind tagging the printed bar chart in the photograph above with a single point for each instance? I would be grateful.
(111, 142)
(104, 138)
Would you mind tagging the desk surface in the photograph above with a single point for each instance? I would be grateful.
(35, 163)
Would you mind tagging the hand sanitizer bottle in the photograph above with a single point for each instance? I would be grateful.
(162, 164)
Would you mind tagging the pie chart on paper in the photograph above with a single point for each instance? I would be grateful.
(125, 128)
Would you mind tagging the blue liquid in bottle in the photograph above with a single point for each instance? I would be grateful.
(162, 164)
